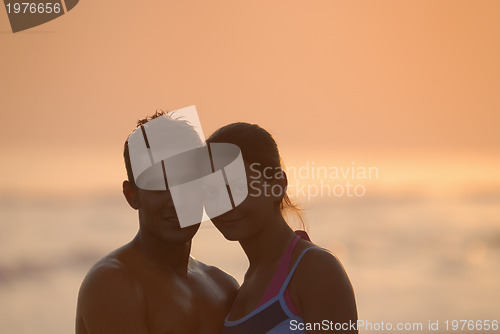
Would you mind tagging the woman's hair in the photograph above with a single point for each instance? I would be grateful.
(259, 149)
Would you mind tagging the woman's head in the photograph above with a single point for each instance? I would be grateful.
(262, 161)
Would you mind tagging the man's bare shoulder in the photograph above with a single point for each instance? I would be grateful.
(225, 281)
(111, 273)
(110, 298)
(113, 265)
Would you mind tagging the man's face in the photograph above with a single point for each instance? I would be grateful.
(158, 217)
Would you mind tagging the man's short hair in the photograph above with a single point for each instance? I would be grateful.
(181, 125)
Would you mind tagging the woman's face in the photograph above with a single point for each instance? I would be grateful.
(257, 210)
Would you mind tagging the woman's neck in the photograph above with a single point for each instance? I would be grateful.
(268, 244)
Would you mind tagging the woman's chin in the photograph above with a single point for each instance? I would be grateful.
(229, 231)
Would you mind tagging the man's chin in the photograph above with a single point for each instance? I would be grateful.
(178, 234)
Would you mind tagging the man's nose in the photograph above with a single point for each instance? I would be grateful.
(167, 200)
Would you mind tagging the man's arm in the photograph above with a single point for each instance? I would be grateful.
(325, 292)
(109, 302)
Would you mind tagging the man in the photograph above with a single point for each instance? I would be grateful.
(152, 285)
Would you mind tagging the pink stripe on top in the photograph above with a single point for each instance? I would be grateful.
(281, 273)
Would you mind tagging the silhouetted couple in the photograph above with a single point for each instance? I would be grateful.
(153, 285)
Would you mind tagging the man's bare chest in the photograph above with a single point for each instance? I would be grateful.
(177, 307)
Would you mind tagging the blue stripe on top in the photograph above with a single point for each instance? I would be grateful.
(273, 317)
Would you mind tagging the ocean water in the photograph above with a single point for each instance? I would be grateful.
(409, 258)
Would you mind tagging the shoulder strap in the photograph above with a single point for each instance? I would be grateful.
(292, 271)
(280, 273)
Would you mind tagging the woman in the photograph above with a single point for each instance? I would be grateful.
(291, 285)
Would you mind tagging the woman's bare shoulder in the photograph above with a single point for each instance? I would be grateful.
(319, 264)
(322, 288)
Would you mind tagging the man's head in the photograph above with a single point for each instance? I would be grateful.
(180, 133)
(147, 189)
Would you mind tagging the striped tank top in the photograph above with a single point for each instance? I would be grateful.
(276, 311)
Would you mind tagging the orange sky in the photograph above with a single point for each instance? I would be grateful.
(332, 77)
